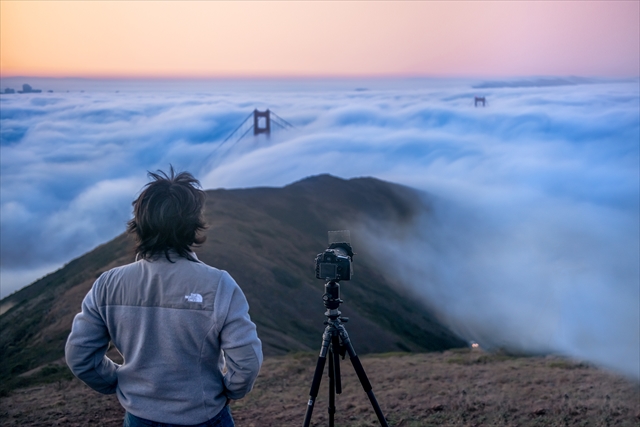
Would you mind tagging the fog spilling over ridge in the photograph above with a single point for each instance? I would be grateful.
(530, 238)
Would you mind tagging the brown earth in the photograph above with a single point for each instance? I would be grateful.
(453, 388)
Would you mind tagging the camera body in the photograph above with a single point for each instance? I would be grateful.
(335, 263)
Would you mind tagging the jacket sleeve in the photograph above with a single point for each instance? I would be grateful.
(239, 342)
(87, 345)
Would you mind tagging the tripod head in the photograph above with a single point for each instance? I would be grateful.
(332, 301)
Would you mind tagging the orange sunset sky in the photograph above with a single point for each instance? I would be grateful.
(310, 39)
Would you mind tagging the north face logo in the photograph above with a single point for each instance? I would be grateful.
(193, 297)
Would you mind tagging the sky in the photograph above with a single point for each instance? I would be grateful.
(318, 39)
(531, 240)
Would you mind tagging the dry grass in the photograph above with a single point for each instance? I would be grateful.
(454, 388)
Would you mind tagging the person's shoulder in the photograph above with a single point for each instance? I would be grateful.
(117, 272)
(136, 265)
(223, 275)
(110, 280)
(201, 268)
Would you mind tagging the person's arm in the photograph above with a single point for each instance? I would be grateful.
(86, 348)
(240, 343)
(243, 366)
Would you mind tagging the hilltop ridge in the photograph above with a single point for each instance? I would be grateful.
(267, 239)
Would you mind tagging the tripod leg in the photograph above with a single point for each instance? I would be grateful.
(335, 349)
(317, 377)
(313, 393)
(362, 376)
(332, 388)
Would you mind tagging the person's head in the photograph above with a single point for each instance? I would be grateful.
(168, 215)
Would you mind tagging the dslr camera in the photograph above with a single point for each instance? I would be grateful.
(335, 263)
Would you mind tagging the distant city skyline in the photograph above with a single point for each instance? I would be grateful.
(319, 39)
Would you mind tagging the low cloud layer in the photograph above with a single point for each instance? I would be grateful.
(533, 239)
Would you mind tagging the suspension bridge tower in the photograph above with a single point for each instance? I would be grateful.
(261, 122)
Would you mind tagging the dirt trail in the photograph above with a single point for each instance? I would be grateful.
(454, 388)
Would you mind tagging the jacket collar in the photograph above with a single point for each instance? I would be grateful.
(173, 254)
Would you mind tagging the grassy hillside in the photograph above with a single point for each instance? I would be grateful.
(267, 238)
(453, 388)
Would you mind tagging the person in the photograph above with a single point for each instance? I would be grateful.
(182, 327)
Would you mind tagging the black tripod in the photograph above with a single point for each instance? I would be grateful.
(336, 342)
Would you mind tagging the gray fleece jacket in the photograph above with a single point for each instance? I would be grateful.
(184, 331)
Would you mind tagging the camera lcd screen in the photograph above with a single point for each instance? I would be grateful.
(328, 271)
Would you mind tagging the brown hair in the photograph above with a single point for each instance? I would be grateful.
(168, 215)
